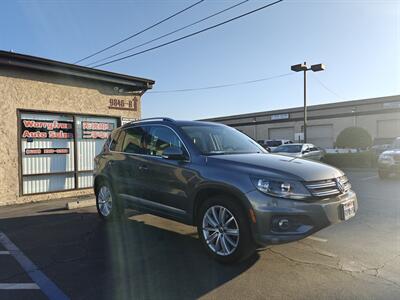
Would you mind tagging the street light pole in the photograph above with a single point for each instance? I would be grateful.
(305, 105)
(304, 68)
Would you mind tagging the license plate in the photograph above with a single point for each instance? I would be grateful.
(348, 210)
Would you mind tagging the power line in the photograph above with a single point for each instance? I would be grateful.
(169, 33)
(221, 85)
(327, 88)
(140, 32)
(189, 35)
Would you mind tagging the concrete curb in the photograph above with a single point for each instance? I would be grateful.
(80, 204)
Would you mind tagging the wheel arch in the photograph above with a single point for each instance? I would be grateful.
(212, 190)
(98, 179)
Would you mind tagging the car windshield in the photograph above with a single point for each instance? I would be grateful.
(288, 148)
(217, 139)
(274, 143)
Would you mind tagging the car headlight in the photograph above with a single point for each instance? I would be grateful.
(385, 158)
(282, 188)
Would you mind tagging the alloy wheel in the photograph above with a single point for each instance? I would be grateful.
(220, 230)
(105, 201)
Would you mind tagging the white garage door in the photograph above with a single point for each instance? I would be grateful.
(389, 128)
(320, 135)
(282, 133)
(248, 130)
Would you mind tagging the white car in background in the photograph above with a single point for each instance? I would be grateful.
(272, 144)
(308, 151)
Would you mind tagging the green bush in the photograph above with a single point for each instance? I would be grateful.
(366, 159)
(354, 137)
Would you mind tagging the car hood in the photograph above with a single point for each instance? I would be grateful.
(391, 152)
(277, 166)
(297, 154)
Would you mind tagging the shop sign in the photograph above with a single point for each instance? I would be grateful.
(124, 104)
(40, 151)
(96, 130)
(125, 120)
(46, 129)
(279, 117)
(391, 104)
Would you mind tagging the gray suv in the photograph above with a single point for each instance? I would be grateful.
(216, 178)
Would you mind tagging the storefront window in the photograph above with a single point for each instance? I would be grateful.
(57, 150)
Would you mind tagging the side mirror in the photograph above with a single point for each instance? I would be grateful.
(173, 153)
(306, 151)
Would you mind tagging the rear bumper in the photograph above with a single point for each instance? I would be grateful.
(304, 218)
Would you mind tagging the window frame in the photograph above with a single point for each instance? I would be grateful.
(185, 149)
(123, 131)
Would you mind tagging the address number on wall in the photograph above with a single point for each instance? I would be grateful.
(125, 104)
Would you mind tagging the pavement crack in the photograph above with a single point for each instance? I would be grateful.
(340, 267)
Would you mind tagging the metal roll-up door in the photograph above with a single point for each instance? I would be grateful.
(282, 133)
(388, 128)
(320, 135)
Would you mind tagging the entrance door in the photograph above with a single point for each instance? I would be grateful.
(91, 133)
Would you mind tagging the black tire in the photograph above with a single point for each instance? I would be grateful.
(383, 174)
(245, 247)
(117, 209)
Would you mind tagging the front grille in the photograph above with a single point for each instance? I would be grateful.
(329, 187)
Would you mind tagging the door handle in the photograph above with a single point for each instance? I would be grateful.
(143, 168)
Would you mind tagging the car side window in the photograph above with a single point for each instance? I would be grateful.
(161, 138)
(136, 141)
(313, 149)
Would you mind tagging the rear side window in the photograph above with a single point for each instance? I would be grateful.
(136, 141)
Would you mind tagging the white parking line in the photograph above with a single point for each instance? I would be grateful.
(371, 177)
(4, 252)
(19, 286)
(314, 238)
(41, 280)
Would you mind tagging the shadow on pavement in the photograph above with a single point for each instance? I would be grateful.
(89, 259)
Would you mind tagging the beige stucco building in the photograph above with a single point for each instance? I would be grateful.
(379, 116)
(54, 120)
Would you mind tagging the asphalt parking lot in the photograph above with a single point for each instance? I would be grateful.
(46, 250)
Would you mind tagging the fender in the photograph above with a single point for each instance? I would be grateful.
(211, 188)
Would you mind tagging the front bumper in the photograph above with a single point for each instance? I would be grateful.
(305, 218)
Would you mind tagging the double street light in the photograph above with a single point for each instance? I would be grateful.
(305, 68)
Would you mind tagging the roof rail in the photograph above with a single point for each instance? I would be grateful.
(152, 119)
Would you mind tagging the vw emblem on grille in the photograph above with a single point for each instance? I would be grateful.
(340, 186)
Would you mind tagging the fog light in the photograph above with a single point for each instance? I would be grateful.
(283, 224)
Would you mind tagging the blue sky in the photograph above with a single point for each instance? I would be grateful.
(359, 41)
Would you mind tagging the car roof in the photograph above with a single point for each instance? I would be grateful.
(294, 144)
(168, 121)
